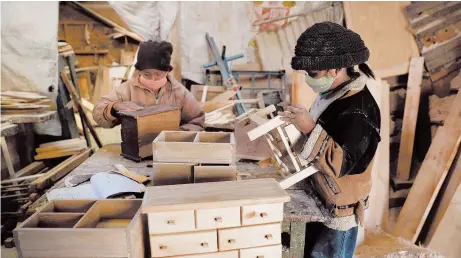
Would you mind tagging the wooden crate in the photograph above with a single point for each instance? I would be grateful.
(194, 147)
(206, 219)
(139, 129)
(83, 228)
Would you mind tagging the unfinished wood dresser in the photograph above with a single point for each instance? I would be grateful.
(83, 228)
(221, 219)
(193, 157)
(139, 128)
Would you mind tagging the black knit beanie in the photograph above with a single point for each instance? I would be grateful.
(328, 45)
(154, 55)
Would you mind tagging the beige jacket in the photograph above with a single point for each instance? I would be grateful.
(174, 93)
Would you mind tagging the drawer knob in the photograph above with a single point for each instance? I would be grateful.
(171, 222)
(231, 241)
(218, 219)
(268, 236)
(163, 247)
(205, 244)
(263, 214)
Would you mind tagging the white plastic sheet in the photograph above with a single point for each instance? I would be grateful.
(29, 51)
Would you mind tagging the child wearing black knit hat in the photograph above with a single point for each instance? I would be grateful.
(341, 132)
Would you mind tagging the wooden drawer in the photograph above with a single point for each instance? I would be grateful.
(261, 214)
(251, 236)
(218, 218)
(227, 254)
(274, 251)
(170, 222)
(184, 243)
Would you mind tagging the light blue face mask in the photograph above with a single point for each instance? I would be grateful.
(320, 85)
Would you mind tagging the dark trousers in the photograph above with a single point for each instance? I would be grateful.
(323, 242)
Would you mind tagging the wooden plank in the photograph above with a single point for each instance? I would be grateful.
(434, 13)
(204, 93)
(61, 170)
(431, 175)
(416, 8)
(204, 174)
(298, 176)
(213, 195)
(442, 53)
(59, 153)
(18, 179)
(70, 87)
(31, 169)
(6, 154)
(265, 128)
(212, 91)
(62, 147)
(410, 116)
(449, 229)
(122, 170)
(254, 150)
(391, 46)
(376, 216)
(447, 198)
(172, 173)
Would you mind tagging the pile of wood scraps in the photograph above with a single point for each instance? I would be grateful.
(437, 29)
(19, 102)
(60, 149)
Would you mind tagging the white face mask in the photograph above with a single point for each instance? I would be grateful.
(319, 85)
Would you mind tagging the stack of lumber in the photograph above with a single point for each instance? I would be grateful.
(19, 102)
(437, 29)
(60, 149)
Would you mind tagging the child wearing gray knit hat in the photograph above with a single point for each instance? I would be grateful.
(341, 134)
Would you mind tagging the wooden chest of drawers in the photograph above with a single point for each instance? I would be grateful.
(220, 219)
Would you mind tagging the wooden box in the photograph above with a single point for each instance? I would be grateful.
(220, 219)
(83, 228)
(186, 173)
(139, 129)
(194, 147)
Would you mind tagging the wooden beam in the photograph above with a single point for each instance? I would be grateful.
(71, 89)
(107, 22)
(447, 197)
(296, 177)
(449, 229)
(410, 116)
(265, 128)
(18, 179)
(6, 154)
(431, 175)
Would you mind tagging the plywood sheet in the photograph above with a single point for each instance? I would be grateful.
(383, 27)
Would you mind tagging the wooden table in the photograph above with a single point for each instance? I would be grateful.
(300, 210)
(25, 133)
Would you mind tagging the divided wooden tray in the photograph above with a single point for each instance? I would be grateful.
(83, 228)
(194, 147)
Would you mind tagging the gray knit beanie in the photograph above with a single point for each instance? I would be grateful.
(328, 45)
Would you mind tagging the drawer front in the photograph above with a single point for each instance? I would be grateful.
(170, 222)
(274, 251)
(261, 214)
(227, 254)
(185, 243)
(218, 218)
(251, 236)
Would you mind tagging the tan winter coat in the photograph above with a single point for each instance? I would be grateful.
(174, 93)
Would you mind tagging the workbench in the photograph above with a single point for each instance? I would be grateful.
(300, 210)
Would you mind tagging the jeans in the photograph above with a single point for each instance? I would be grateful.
(323, 242)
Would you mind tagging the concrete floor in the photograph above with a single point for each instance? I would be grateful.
(8, 252)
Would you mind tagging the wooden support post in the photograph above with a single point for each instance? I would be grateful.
(79, 105)
(409, 117)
